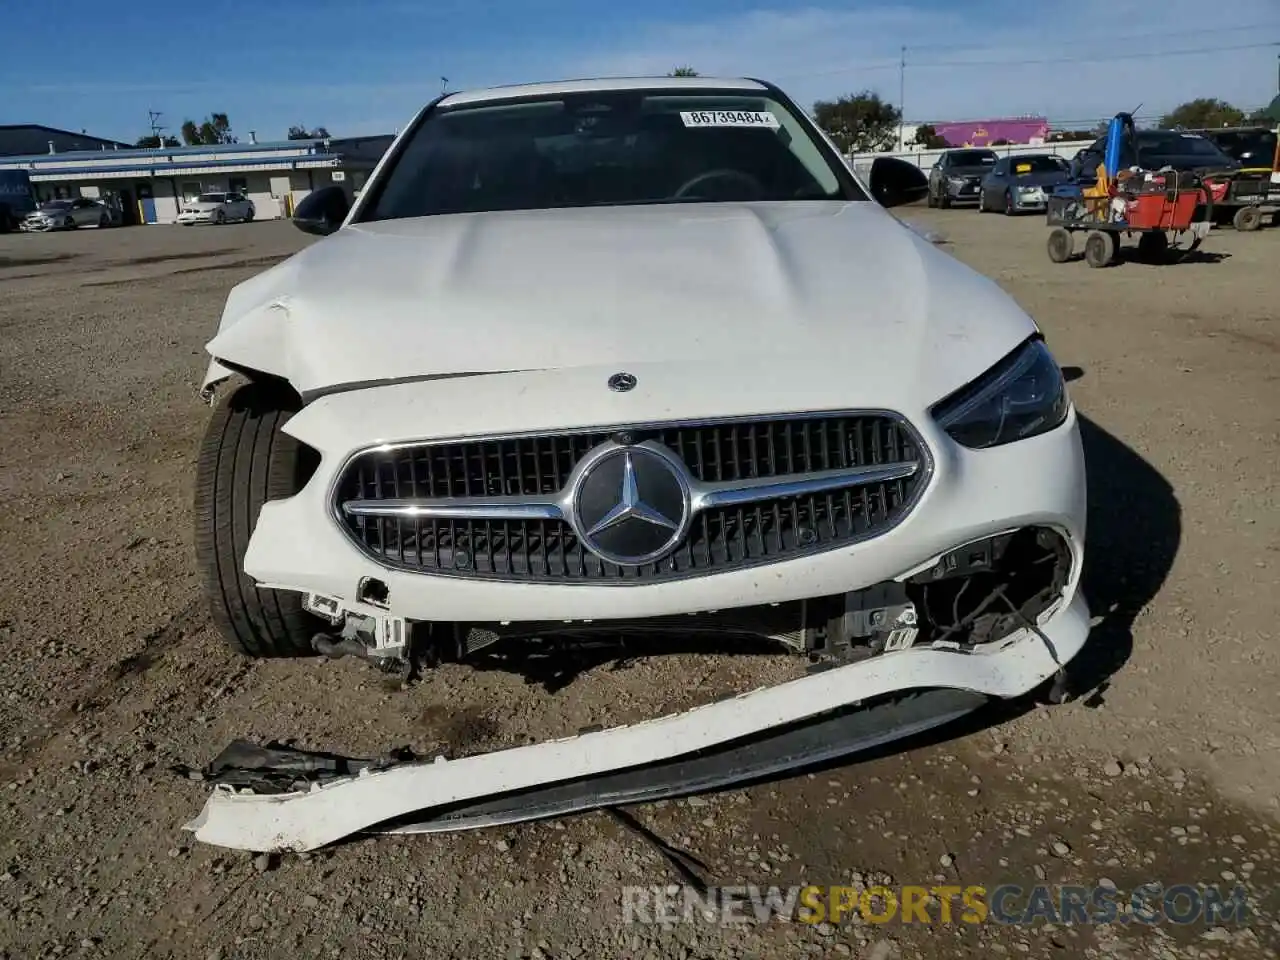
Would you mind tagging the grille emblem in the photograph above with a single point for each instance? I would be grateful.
(631, 505)
(622, 382)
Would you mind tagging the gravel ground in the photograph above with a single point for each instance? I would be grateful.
(1165, 770)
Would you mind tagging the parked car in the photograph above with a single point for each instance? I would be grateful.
(16, 199)
(1155, 150)
(1254, 147)
(636, 358)
(67, 215)
(216, 208)
(1022, 183)
(957, 174)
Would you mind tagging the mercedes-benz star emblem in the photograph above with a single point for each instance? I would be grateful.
(632, 505)
(622, 382)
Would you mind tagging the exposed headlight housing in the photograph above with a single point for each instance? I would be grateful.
(1021, 396)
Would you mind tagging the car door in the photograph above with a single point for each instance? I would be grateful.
(84, 212)
(936, 174)
(995, 183)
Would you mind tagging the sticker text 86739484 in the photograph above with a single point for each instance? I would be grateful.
(729, 118)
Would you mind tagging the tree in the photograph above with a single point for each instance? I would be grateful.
(152, 141)
(215, 128)
(683, 72)
(858, 123)
(1203, 113)
(302, 132)
(928, 138)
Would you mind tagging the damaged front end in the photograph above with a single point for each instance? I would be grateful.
(993, 618)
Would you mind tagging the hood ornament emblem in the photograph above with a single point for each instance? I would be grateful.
(622, 382)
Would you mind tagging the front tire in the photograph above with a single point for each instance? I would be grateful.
(219, 217)
(246, 460)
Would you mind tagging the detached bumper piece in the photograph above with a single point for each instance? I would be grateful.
(277, 799)
(273, 769)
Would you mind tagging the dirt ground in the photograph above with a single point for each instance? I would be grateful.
(1166, 769)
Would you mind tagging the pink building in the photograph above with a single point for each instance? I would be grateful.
(983, 133)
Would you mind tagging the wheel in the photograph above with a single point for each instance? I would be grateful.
(246, 460)
(1247, 218)
(931, 200)
(1153, 246)
(104, 220)
(1100, 248)
(248, 217)
(69, 223)
(1009, 209)
(944, 200)
(1061, 244)
(982, 202)
(219, 217)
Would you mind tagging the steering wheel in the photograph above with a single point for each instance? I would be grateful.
(723, 173)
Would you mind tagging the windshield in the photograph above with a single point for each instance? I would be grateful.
(1025, 165)
(973, 158)
(55, 205)
(605, 148)
(211, 198)
(1178, 145)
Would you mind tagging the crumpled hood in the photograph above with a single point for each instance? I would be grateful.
(811, 284)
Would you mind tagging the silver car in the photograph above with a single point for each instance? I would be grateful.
(68, 214)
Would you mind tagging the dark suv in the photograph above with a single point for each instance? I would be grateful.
(956, 177)
(1254, 147)
(1156, 149)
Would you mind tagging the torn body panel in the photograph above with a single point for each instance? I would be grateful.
(418, 795)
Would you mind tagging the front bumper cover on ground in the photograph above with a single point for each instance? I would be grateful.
(765, 732)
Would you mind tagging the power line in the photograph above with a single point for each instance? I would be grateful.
(1145, 35)
(1093, 58)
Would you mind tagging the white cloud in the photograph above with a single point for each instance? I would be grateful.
(820, 52)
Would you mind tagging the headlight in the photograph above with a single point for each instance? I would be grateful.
(956, 181)
(1021, 396)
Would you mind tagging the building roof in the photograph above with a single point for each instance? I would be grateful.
(227, 157)
(17, 139)
(606, 84)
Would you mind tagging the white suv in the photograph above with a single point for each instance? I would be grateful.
(216, 208)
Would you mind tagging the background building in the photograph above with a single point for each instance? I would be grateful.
(23, 139)
(150, 185)
(983, 133)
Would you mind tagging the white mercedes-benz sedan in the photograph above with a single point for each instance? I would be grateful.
(638, 357)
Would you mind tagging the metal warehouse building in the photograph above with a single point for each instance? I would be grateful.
(149, 186)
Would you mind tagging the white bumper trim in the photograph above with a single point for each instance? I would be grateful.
(325, 815)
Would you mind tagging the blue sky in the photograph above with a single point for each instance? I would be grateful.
(365, 66)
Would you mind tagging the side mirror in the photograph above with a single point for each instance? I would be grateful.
(895, 182)
(322, 211)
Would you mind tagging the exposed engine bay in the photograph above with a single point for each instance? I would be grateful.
(978, 594)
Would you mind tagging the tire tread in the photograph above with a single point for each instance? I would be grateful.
(245, 460)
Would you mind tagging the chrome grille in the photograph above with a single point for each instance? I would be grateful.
(501, 476)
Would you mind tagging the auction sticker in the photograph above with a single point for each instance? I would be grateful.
(729, 118)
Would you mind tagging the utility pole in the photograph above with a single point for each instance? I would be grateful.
(155, 124)
(902, 97)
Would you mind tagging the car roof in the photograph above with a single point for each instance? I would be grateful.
(611, 84)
